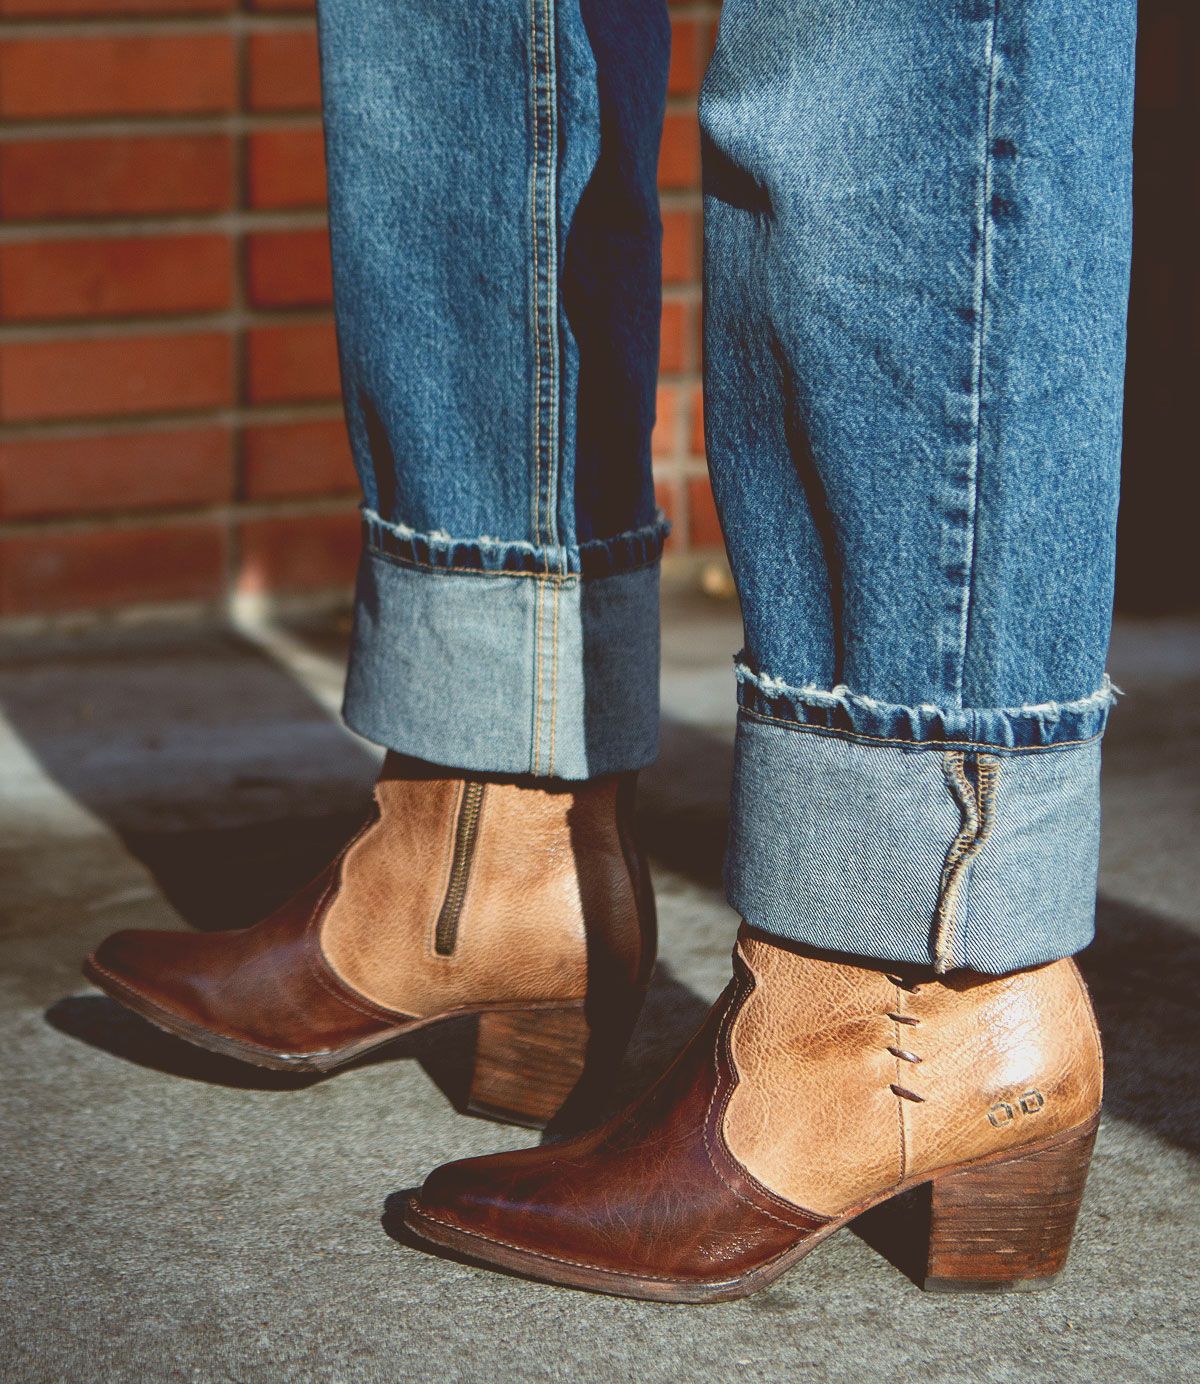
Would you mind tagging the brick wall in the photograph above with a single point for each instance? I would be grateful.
(169, 423)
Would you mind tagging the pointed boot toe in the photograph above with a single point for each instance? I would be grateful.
(154, 973)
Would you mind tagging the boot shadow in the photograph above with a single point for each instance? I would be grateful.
(445, 1051)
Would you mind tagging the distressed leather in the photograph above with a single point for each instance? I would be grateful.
(651, 1194)
(780, 1119)
(265, 986)
(558, 908)
(543, 860)
(815, 1115)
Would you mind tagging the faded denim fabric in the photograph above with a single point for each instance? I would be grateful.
(496, 252)
(917, 223)
(917, 235)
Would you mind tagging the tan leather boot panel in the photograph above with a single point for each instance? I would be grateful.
(393, 879)
(543, 862)
(521, 932)
(813, 1117)
(1005, 1061)
(851, 1081)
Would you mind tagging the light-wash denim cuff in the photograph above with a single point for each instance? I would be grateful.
(502, 657)
(944, 837)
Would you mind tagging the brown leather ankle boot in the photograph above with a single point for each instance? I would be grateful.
(816, 1089)
(527, 905)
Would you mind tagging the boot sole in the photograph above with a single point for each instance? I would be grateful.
(225, 1046)
(977, 1259)
(528, 1059)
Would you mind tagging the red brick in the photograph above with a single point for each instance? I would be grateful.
(107, 9)
(681, 243)
(117, 74)
(704, 528)
(48, 572)
(115, 471)
(696, 432)
(277, 5)
(284, 75)
(293, 361)
(288, 269)
(679, 157)
(663, 441)
(688, 42)
(130, 175)
(672, 354)
(114, 375)
(309, 458)
(57, 279)
(298, 552)
(286, 168)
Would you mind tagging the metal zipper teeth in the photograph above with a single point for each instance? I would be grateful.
(466, 832)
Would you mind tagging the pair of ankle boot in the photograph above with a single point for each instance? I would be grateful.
(818, 1087)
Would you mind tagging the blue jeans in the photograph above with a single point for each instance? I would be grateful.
(917, 232)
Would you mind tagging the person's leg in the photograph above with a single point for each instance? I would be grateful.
(496, 247)
(918, 222)
(917, 241)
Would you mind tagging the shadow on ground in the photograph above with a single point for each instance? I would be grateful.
(219, 869)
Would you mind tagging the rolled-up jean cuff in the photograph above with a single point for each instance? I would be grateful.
(505, 657)
(973, 844)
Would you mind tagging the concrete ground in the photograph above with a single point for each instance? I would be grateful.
(167, 1215)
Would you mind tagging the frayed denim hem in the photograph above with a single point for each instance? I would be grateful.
(1043, 726)
(500, 669)
(439, 552)
(976, 846)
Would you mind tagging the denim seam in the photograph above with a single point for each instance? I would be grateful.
(547, 382)
(978, 351)
(536, 729)
(620, 552)
(859, 737)
(977, 804)
(564, 579)
(542, 211)
(557, 593)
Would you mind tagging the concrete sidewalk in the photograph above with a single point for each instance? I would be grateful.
(167, 1215)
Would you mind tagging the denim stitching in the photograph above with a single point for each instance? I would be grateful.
(978, 348)
(552, 439)
(856, 737)
(537, 696)
(630, 550)
(556, 592)
(949, 888)
(535, 304)
(838, 710)
(977, 804)
(546, 383)
(554, 578)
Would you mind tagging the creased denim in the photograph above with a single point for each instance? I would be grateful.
(496, 256)
(917, 235)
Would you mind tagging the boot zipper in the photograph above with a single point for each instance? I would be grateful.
(465, 833)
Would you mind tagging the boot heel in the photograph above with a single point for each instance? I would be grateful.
(1007, 1225)
(527, 1062)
